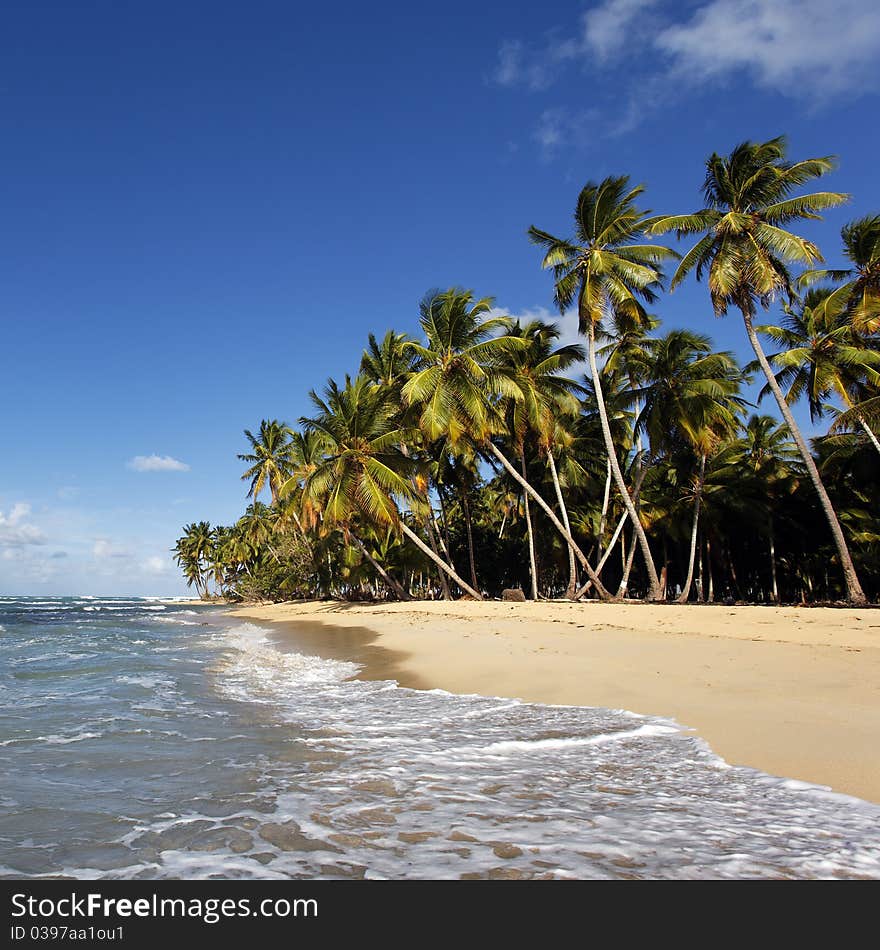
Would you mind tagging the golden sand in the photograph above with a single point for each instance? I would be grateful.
(788, 690)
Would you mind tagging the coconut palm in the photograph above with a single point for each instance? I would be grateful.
(544, 402)
(604, 270)
(364, 471)
(194, 553)
(822, 356)
(690, 398)
(268, 459)
(766, 454)
(462, 380)
(861, 281)
(746, 250)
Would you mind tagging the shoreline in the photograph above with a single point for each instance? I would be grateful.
(791, 691)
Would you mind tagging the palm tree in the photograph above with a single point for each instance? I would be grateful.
(690, 398)
(364, 470)
(604, 271)
(462, 380)
(194, 552)
(545, 400)
(765, 451)
(746, 251)
(822, 356)
(269, 459)
(861, 282)
(387, 363)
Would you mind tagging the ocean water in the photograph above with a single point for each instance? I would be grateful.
(146, 739)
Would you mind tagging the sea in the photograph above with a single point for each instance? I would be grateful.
(144, 738)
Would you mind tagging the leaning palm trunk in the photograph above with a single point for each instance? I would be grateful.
(606, 499)
(630, 557)
(775, 585)
(429, 530)
(420, 544)
(532, 564)
(653, 580)
(579, 554)
(854, 592)
(465, 503)
(869, 432)
(623, 519)
(570, 592)
(389, 580)
(698, 498)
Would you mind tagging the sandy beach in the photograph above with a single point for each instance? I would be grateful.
(791, 691)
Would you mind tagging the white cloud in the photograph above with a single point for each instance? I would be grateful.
(608, 27)
(548, 134)
(15, 531)
(156, 565)
(156, 463)
(105, 548)
(567, 323)
(805, 48)
(657, 51)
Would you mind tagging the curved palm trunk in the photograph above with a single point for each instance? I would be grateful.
(869, 432)
(532, 565)
(773, 565)
(396, 586)
(854, 592)
(654, 581)
(698, 498)
(465, 503)
(579, 554)
(606, 499)
(630, 557)
(420, 544)
(623, 519)
(571, 590)
(444, 584)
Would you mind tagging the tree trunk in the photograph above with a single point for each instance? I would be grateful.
(503, 523)
(869, 433)
(444, 584)
(701, 567)
(653, 580)
(698, 498)
(711, 597)
(531, 539)
(389, 580)
(579, 554)
(623, 519)
(630, 557)
(606, 498)
(773, 565)
(854, 592)
(570, 592)
(466, 505)
(588, 584)
(420, 544)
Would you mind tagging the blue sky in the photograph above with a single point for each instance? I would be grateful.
(207, 207)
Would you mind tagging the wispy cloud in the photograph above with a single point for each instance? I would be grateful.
(16, 531)
(803, 48)
(654, 50)
(567, 323)
(105, 548)
(156, 565)
(156, 463)
(608, 28)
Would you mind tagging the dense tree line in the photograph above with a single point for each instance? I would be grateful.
(478, 457)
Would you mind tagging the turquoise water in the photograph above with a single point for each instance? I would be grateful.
(143, 739)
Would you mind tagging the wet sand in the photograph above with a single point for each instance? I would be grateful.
(790, 691)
